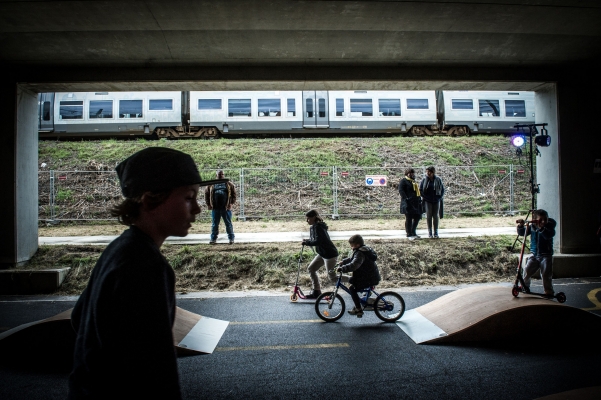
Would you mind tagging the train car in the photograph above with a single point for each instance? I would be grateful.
(489, 112)
(325, 112)
(90, 114)
(210, 114)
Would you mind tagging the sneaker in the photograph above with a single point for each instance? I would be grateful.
(417, 237)
(436, 236)
(430, 237)
(232, 241)
(313, 295)
(356, 311)
(412, 238)
(212, 242)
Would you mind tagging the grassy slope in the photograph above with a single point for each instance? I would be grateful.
(257, 153)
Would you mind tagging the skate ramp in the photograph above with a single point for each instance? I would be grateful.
(54, 339)
(492, 314)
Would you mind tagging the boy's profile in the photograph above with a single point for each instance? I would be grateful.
(124, 318)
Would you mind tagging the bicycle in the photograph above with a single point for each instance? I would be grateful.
(388, 306)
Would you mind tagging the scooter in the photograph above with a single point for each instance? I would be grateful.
(297, 292)
(520, 287)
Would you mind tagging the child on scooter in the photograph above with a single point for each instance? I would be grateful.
(542, 231)
(365, 270)
(327, 253)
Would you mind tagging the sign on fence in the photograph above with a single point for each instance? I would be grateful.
(376, 180)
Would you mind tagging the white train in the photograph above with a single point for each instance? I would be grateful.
(295, 113)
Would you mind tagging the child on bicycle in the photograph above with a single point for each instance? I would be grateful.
(365, 270)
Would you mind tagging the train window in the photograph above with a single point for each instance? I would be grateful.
(322, 107)
(339, 107)
(71, 110)
(160, 104)
(390, 107)
(238, 107)
(291, 108)
(130, 109)
(417, 104)
(515, 108)
(462, 104)
(101, 109)
(489, 108)
(46, 111)
(209, 104)
(270, 108)
(309, 108)
(362, 106)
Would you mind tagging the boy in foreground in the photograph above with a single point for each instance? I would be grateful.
(124, 318)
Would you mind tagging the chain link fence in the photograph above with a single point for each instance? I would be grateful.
(290, 192)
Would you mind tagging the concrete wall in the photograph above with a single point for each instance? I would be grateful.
(19, 166)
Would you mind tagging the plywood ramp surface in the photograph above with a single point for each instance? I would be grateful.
(192, 334)
(491, 313)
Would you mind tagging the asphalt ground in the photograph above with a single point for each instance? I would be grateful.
(274, 349)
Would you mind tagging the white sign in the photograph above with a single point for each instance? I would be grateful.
(376, 180)
(597, 167)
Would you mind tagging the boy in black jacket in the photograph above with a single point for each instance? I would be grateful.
(365, 270)
(542, 231)
(124, 318)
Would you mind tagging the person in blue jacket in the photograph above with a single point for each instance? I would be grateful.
(432, 190)
(541, 231)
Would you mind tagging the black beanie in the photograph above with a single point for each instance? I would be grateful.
(156, 169)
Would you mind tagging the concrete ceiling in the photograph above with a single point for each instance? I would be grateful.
(280, 34)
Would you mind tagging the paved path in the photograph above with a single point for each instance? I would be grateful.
(270, 237)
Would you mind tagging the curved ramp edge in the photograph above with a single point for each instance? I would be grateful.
(55, 338)
(492, 314)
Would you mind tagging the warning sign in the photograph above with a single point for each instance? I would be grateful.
(376, 180)
(344, 173)
(62, 177)
(324, 173)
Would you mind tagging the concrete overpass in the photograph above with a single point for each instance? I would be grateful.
(550, 46)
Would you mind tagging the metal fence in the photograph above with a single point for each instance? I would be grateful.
(290, 192)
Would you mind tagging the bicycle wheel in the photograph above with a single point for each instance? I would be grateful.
(389, 306)
(329, 309)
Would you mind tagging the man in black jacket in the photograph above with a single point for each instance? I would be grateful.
(411, 203)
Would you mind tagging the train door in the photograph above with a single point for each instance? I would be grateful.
(46, 112)
(315, 109)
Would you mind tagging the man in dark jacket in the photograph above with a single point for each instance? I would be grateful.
(411, 203)
(541, 231)
(432, 190)
(124, 318)
(365, 270)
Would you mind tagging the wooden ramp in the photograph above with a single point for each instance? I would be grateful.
(491, 313)
(54, 337)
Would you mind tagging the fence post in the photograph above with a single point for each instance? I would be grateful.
(335, 192)
(511, 181)
(242, 217)
(51, 196)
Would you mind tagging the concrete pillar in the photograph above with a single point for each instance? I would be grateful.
(19, 166)
(569, 187)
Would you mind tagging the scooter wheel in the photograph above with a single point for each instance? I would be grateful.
(561, 297)
(515, 291)
(293, 297)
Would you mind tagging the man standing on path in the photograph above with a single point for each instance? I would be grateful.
(411, 203)
(432, 190)
(219, 199)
